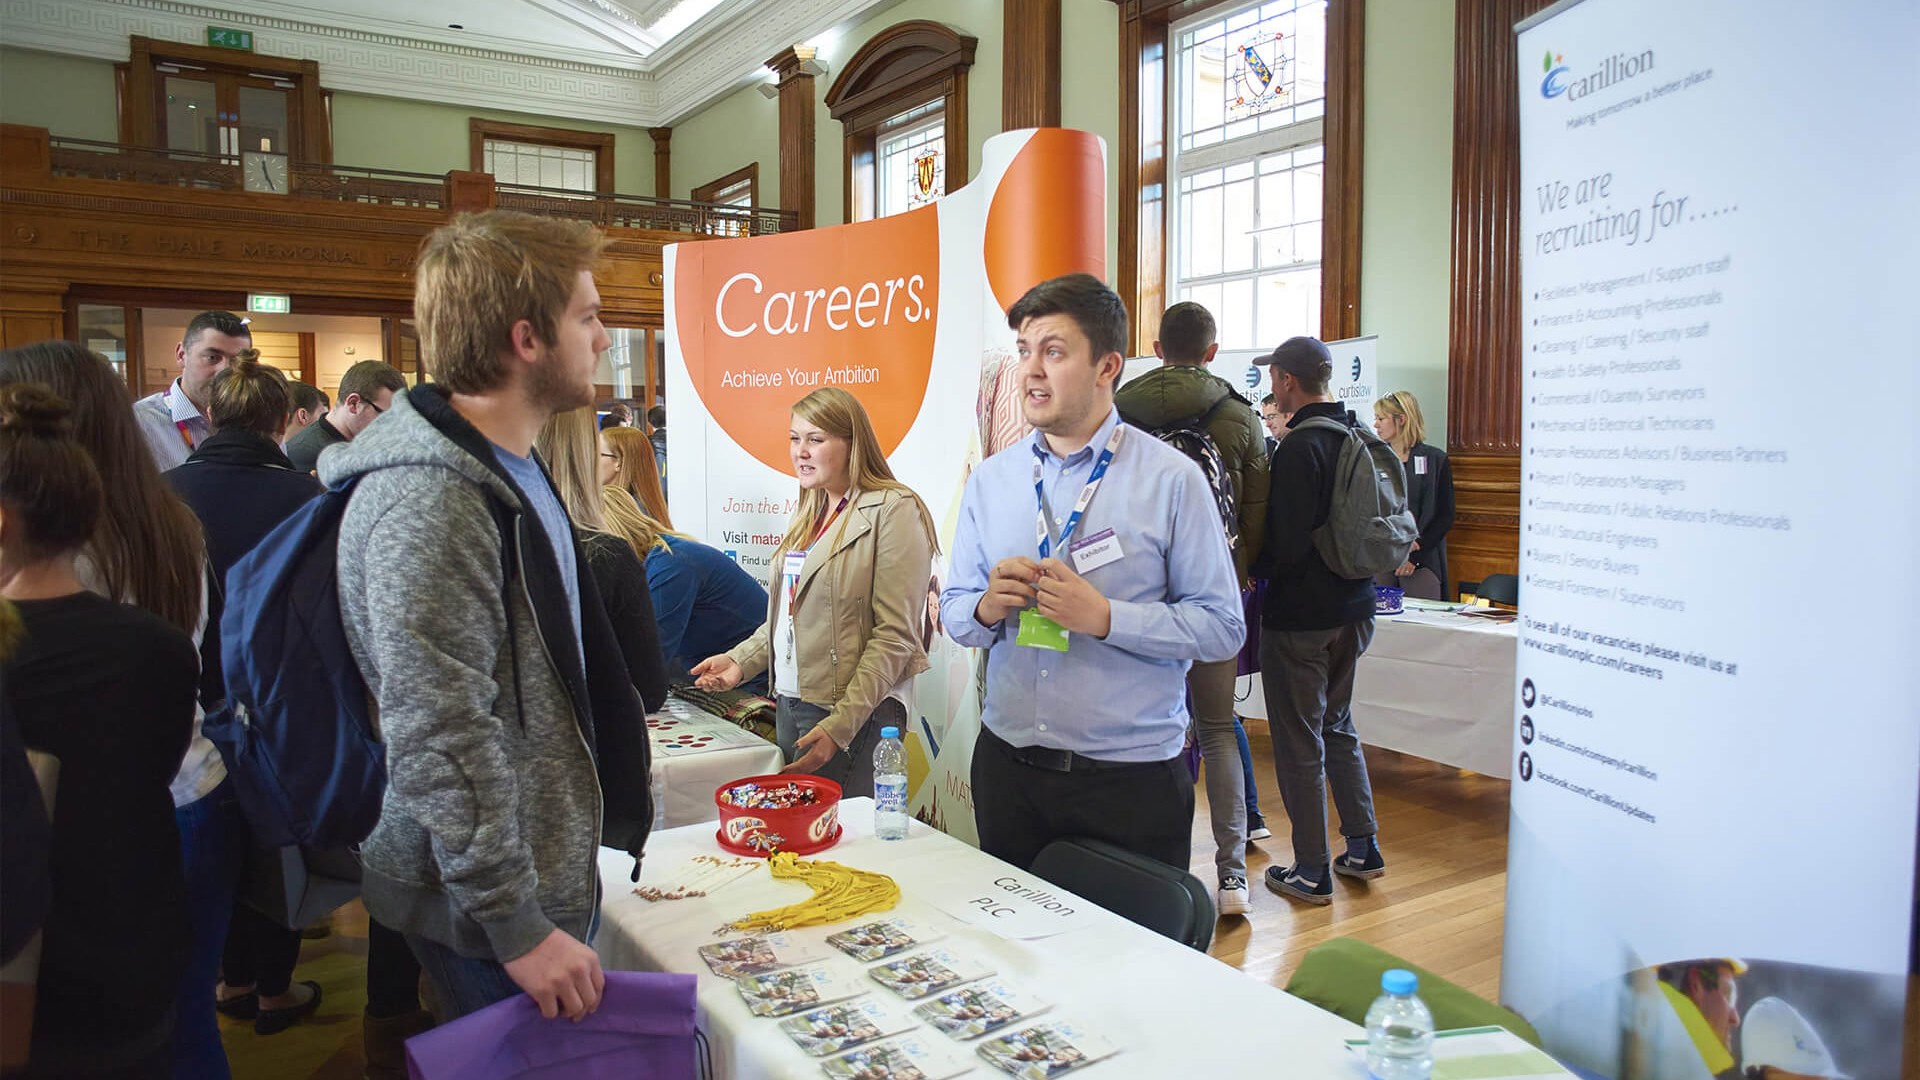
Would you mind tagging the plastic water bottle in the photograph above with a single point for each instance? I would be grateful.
(1399, 1030)
(890, 787)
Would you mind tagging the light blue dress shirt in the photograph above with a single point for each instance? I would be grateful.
(159, 416)
(1173, 593)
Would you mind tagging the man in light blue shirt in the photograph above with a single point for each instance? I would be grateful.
(1090, 631)
(173, 421)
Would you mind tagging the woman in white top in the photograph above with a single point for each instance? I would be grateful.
(148, 551)
(846, 598)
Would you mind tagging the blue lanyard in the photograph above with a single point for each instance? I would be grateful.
(1044, 520)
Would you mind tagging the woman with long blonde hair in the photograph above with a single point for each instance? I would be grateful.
(566, 443)
(1397, 419)
(626, 462)
(847, 594)
(705, 603)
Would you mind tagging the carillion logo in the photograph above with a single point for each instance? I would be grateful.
(1616, 68)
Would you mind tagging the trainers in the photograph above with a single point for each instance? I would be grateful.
(1233, 898)
(1257, 828)
(1369, 868)
(1288, 882)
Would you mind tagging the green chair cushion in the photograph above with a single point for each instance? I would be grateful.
(1342, 976)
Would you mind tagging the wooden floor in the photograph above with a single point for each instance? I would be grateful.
(1440, 905)
(1443, 831)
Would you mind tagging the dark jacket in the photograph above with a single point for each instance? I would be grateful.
(1430, 497)
(514, 747)
(240, 485)
(1175, 392)
(1302, 594)
(304, 449)
(628, 599)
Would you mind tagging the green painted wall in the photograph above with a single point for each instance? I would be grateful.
(67, 95)
(1090, 94)
(730, 134)
(420, 136)
(1407, 209)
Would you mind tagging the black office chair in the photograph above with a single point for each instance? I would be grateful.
(1165, 899)
(1501, 589)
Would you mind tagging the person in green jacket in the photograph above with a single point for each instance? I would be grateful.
(1183, 392)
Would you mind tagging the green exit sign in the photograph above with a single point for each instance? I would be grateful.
(223, 37)
(269, 304)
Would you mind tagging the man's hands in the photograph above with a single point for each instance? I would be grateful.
(717, 673)
(1053, 587)
(1010, 588)
(561, 975)
(1072, 601)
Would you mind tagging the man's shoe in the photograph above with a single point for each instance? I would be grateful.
(1288, 882)
(275, 1021)
(1232, 898)
(1257, 828)
(1369, 868)
(240, 1006)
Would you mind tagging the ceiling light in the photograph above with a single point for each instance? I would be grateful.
(769, 89)
(682, 15)
(455, 26)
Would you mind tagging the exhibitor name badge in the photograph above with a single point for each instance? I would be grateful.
(1018, 907)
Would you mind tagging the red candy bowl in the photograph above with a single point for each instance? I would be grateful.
(792, 812)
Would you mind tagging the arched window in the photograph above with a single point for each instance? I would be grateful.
(902, 99)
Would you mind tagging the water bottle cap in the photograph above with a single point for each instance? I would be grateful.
(889, 732)
(1399, 981)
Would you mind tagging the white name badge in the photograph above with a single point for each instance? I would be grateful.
(1420, 466)
(1095, 551)
(793, 564)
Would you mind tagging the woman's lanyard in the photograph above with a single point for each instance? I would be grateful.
(793, 568)
(1044, 524)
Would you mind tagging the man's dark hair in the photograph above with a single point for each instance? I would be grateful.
(657, 416)
(1268, 400)
(311, 398)
(223, 322)
(1186, 332)
(369, 377)
(1086, 300)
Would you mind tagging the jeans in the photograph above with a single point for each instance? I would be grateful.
(212, 837)
(851, 768)
(1308, 675)
(465, 984)
(1211, 688)
(1246, 768)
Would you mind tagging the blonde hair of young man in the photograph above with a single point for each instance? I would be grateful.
(481, 274)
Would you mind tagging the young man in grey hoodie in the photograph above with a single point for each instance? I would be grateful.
(516, 744)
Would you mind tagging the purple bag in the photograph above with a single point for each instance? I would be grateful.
(1252, 602)
(643, 1030)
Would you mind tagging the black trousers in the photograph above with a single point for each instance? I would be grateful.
(1020, 808)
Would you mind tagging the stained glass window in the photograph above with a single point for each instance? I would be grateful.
(913, 160)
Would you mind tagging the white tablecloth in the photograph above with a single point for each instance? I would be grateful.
(684, 781)
(1173, 1011)
(1433, 684)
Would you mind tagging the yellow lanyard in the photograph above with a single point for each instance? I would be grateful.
(839, 893)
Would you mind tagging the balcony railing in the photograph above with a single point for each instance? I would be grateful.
(87, 159)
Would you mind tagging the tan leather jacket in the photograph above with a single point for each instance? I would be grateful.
(859, 611)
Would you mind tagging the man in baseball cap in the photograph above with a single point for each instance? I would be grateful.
(1777, 1043)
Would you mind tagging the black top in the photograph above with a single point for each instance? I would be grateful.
(1302, 593)
(628, 602)
(1430, 498)
(25, 838)
(303, 450)
(240, 486)
(108, 689)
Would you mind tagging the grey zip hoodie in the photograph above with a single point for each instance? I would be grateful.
(488, 835)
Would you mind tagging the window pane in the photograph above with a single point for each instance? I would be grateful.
(1205, 235)
(563, 168)
(193, 118)
(1237, 246)
(1235, 315)
(103, 328)
(1289, 304)
(263, 120)
(912, 165)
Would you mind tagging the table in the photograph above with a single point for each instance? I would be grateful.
(695, 752)
(1173, 1011)
(1435, 684)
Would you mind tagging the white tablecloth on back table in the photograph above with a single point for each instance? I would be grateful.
(683, 784)
(1434, 684)
(1173, 1011)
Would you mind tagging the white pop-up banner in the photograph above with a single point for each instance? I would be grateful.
(1717, 768)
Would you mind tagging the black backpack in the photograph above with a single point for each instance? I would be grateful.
(1191, 438)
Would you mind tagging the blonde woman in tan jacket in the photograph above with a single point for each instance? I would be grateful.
(846, 597)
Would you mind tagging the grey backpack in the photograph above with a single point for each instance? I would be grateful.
(1369, 529)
